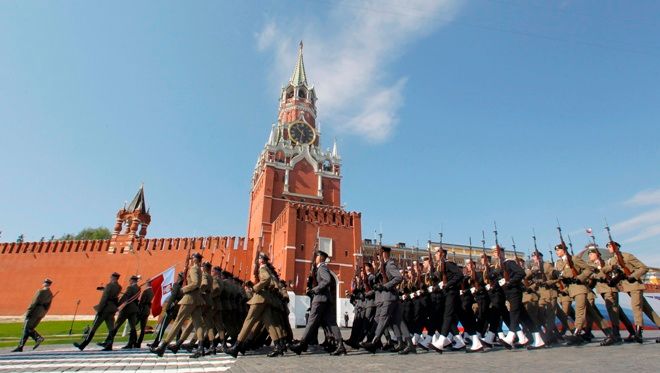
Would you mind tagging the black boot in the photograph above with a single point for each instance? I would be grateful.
(341, 350)
(235, 349)
(160, 350)
(638, 334)
(409, 349)
(371, 346)
(399, 346)
(37, 341)
(575, 339)
(199, 353)
(81, 346)
(277, 349)
(107, 346)
(18, 349)
(298, 347)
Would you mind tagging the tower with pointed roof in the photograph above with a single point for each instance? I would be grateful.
(132, 222)
(295, 201)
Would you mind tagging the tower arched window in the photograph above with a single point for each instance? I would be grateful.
(302, 93)
(289, 93)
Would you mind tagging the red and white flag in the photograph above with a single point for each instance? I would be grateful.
(589, 231)
(161, 284)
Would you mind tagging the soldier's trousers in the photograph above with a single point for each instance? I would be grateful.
(518, 313)
(321, 314)
(636, 301)
(187, 311)
(616, 314)
(483, 304)
(580, 311)
(169, 316)
(29, 330)
(106, 317)
(547, 314)
(259, 312)
(452, 304)
(123, 316)
(386, 315)
(142, 321)
(369, 323)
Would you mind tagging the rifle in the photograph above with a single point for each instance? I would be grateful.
(383, 263)
(473, 270)
(616, 277)
(485, 257)
(443, 263)
(431, 266)
(505, 272)
(538, 255)
(187, 266)
(569, 257)
(74, 316)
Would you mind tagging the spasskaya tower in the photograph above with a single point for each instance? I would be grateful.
(295, 201)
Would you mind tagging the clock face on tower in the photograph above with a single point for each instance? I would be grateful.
(301, 133)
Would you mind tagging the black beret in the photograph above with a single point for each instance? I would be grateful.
(197, 256)
(135, 277)
(263, 256)
(386, 249)
(322, 254)
(115, 275)
(208, 265)
(48, 281)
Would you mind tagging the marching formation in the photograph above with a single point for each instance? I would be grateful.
(497, 302)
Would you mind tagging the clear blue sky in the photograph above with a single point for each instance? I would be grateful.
(446, 113)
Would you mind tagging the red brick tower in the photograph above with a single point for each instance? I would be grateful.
(132, 222)
(295, 203)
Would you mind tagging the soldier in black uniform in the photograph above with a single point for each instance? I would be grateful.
(513, 289)
(105, 310)
(35, 312)
(144, 308)
(128, 310)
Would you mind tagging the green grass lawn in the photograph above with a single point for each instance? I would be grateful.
(57, 332)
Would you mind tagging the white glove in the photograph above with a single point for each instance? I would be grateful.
(419, 293)
(412, 295)
(404, 297)
(473, 290)
(501, 282)
(431, 289)
(461, 292)
(441, 285)
(487, 286)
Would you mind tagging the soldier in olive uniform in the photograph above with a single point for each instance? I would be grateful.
(144, 308)
(35, 312)
(189, 307)
(105, 310)
(574, 277)
(260, 308)
(632, 285)
(216, 296)
(545, 277)
(128, 310)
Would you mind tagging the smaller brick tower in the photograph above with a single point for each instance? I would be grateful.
(132, 223)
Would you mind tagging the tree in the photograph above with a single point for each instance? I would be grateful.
(100, 233)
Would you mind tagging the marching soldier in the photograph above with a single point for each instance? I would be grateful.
(105, 310)
(545, 277)
(144, 308)
(260, 310)
(128, 310)
(389, 313)
(323, 308)
(35, 312)
(512, 287)
(169, 311)
(632, 285)
(218, 325)
(189, 307)
(574, 272)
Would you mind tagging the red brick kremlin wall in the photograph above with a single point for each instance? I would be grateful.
(78, 267)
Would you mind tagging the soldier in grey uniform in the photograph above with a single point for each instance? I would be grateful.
(390, 313)
(105, 310)
(128, 310)
(35, 312)
(323, 310)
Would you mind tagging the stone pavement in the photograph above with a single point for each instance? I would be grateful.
(588, 358)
